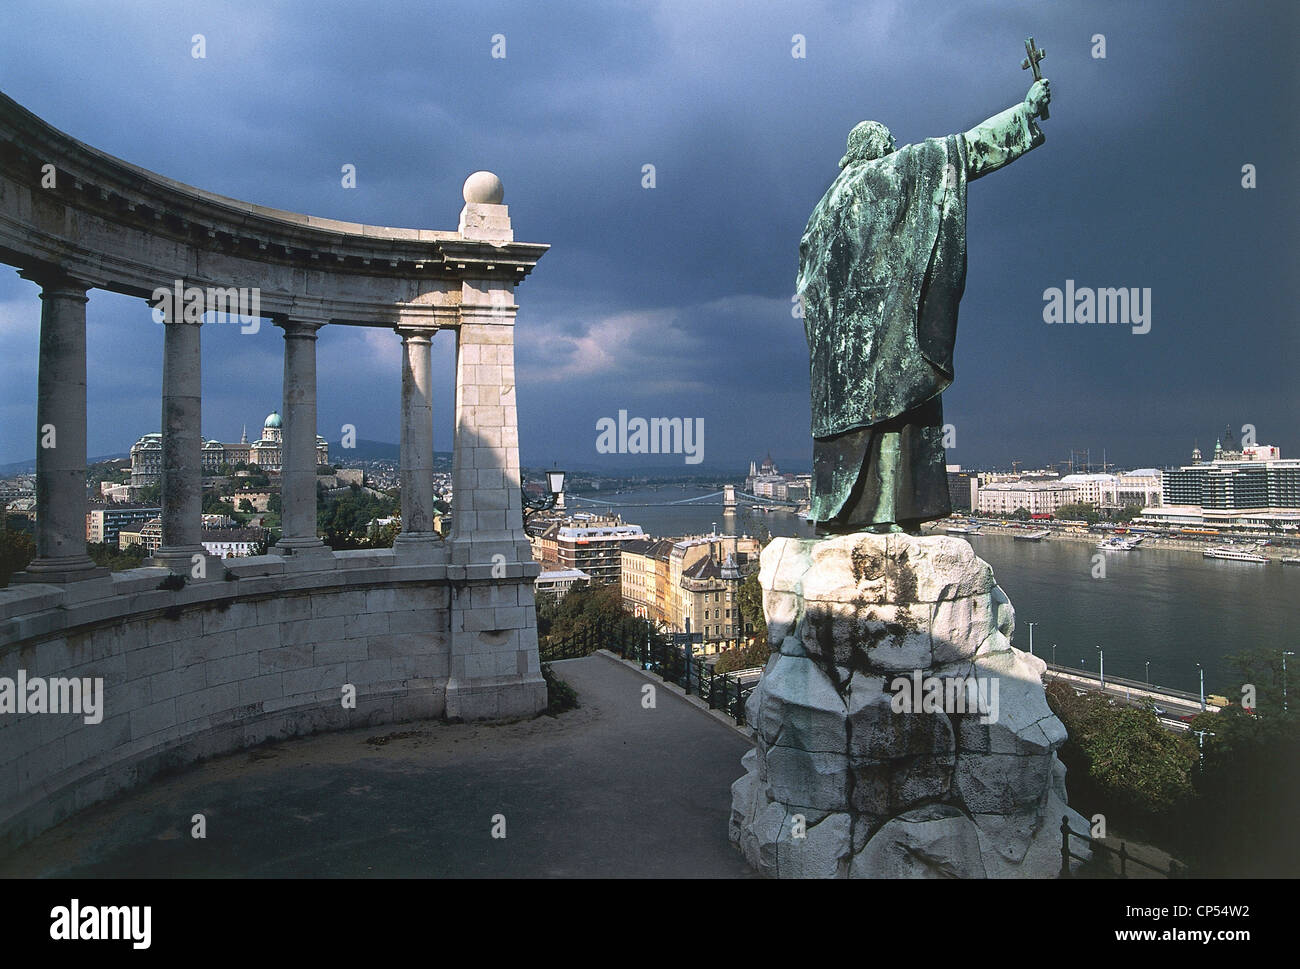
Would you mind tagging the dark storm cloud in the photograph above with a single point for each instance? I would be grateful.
(676, 301)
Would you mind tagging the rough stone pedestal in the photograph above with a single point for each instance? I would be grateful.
(964, 783)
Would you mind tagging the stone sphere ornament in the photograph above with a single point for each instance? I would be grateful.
(484, 188)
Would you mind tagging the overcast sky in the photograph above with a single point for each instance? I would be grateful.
(676, 300)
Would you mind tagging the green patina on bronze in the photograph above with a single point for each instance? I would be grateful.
(882, 268)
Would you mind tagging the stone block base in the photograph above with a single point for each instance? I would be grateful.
(897, 732)
(498, 698)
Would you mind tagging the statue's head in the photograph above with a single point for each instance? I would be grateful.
(867, 141)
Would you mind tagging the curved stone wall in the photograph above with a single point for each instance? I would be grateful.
(225, 664)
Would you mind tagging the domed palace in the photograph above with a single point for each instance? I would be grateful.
(266, 453)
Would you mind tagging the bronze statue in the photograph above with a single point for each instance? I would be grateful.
(882, 268)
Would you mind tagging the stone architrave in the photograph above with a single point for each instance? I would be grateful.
(966, 783)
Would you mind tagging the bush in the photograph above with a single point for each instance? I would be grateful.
(559, 695)
(16, 552)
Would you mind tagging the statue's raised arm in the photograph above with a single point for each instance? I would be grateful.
(1006, 136)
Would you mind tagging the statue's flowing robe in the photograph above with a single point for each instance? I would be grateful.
(882, 268)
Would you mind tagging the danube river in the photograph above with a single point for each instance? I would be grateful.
(1169, 607)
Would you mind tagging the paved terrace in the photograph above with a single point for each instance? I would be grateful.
(608, 790)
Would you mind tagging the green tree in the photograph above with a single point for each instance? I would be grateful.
(212, 505)
(1079, 512)
(1121, 761)
(596, 612)
(109, 556)
(750, 600)
(745, 657)
(16, 552)
(1242, 823)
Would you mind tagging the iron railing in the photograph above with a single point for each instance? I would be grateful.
(1125, 859)
(644, 645)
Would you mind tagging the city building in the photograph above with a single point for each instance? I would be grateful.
(229, 543)
(595, 550)
(1254, 488)
(266, 452)
(543, 529)
(1092, 488)
(105, 521)
(557, 584)
(1036, 497)
(765, 481)
(689, 582)
(644, 577)
(1139, 487)
(148, 536)
(960, 487)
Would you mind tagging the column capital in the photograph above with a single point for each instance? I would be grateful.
(416, 333)
(55, 282)
(298, 326)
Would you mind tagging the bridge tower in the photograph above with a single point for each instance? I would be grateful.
(729, 497)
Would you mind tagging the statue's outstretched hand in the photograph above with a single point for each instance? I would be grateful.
(1039, 97)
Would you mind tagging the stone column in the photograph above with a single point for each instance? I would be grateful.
(182, 443)
(61, 434)
(298, 444)
(417, 534)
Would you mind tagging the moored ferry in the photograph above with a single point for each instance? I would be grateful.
(1232, 553)
(1117, 545)
(1033, 536)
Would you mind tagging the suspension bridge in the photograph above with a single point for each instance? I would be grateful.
(728, 498)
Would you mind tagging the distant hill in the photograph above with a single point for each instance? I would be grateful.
(366, 450)
(20, 467)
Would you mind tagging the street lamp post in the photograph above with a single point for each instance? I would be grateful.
(555, 483)
(1101, 662)
(1053, 654)
(1148, 674)
(1285, 654)
(1202, 671)
(1031, 637)
(1200, 736)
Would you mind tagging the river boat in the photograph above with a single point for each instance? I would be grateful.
(1033, 536)
(1117, 545)
(1234, 553)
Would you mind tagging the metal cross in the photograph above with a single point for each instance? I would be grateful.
(1034, 55)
